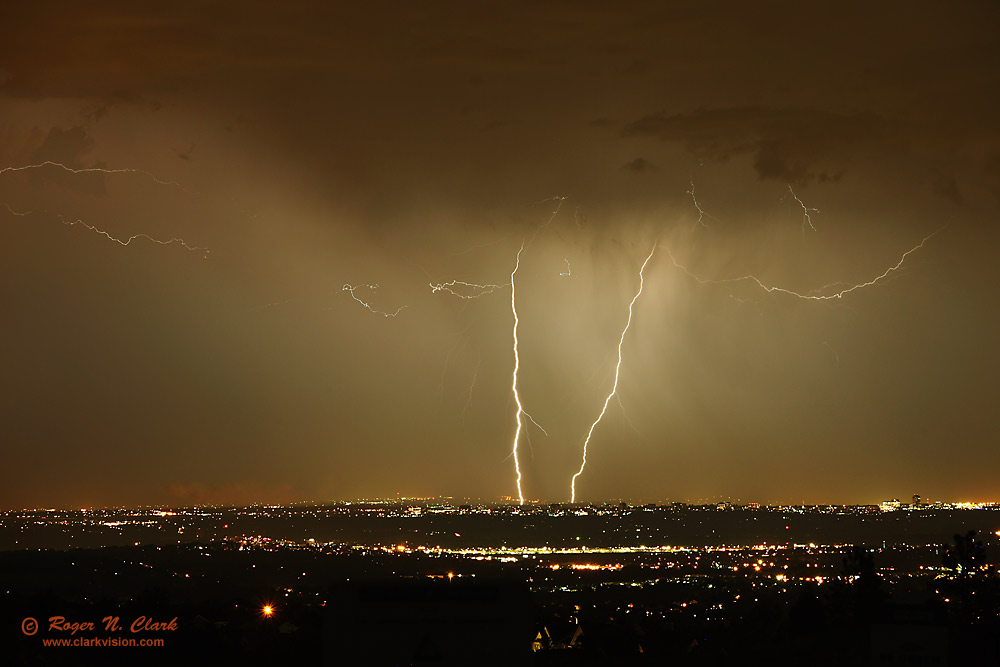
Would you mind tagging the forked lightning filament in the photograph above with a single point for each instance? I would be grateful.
(614, 387)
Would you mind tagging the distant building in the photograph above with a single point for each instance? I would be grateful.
(889, 505)
(916, 500)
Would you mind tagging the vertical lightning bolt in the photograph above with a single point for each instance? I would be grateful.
(472, 385)
(614, 387)
(517, 361)
(569, 269)
(517, 365)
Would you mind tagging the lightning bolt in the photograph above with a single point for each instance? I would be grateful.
(614, 387)
(552, 217)
(517, 365)
(90, 170)
(93, 228)
(701, 212)
(464, 290)
(517, 360)
(17, 213)
(125, 242)
(351, 288)
(569, 270)
(472, 385)
(810, 296)
(806, 218)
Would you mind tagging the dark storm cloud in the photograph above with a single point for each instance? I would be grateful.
(402, 143)
(68, 147)
(992, 170)
(639, 166)
(944, 184)
(790, 145)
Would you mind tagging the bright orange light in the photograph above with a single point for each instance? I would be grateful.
(268, 610)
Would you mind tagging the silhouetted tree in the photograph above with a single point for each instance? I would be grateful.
(972, 594)
(864, 593)
(964, 557)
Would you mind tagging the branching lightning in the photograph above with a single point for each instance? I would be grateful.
(125, 242)
(93, 228)
(552, 217)
(701, 212)
(517, 360)
(614, 387)
(89, 170)
(810, 296)
(806, 218)
(517, 365)
(109, 236)
(352, 288)
(472, 385)
(464, 290)
(532, 420)
(17, 213)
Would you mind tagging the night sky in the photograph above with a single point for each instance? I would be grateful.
(295, 149)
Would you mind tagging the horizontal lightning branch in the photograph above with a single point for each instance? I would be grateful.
(353, 288)
(17, 213)
(127, 241)
(89, 170)
(809, 296)
(101, 170)
(464, 290)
